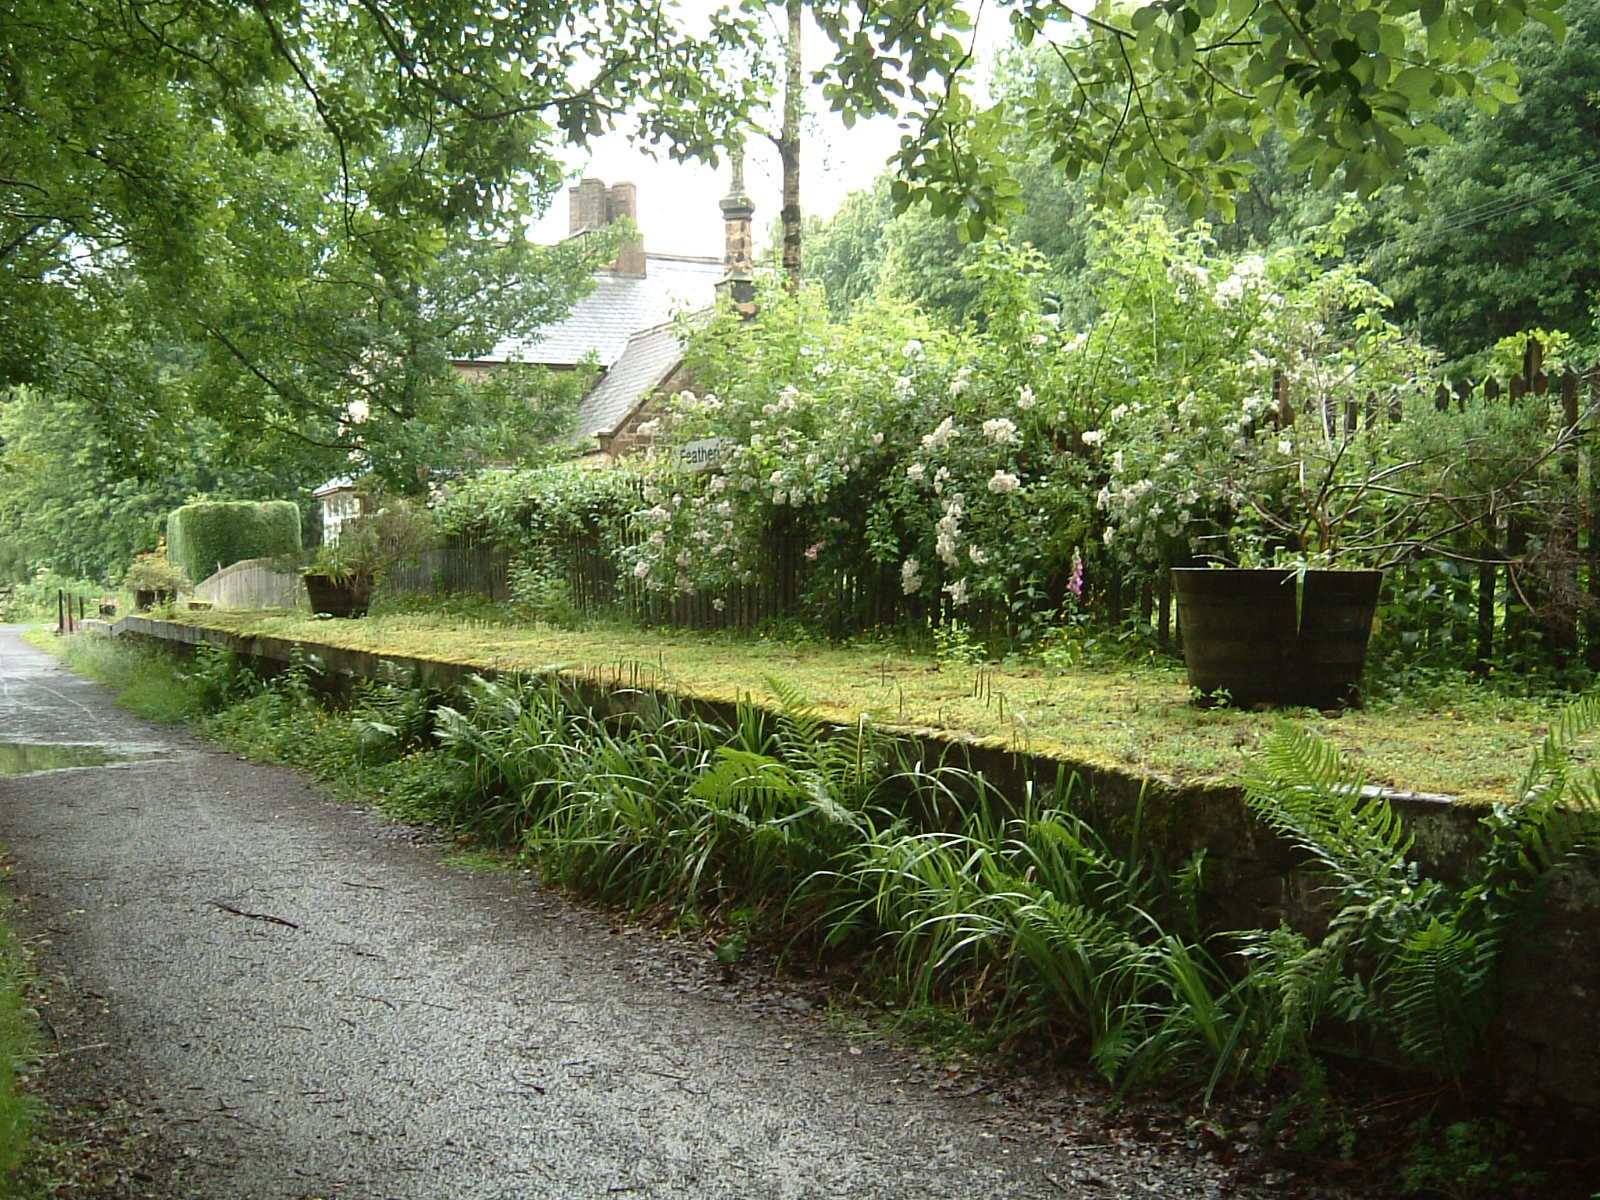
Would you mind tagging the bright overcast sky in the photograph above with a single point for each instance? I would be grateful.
(678, 211)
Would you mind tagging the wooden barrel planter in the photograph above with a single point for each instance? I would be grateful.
(1261, 637)
(144, 599)
(344, 597)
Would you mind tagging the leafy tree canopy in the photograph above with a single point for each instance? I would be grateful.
(1510, 238)
(1174, 94)
(111, 111)
(317, 206)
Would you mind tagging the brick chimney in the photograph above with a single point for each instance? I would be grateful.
(586, 206)
(622, 203)
(738, 252)
(592, 205)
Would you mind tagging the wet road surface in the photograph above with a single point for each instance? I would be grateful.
(305, 1002)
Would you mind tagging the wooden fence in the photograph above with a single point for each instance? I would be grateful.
(459, 566)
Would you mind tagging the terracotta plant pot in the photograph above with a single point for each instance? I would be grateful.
(1263, 637)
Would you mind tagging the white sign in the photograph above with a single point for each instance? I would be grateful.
(704, 454)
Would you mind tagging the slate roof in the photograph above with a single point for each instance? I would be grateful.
(619, 307)
(646, 360)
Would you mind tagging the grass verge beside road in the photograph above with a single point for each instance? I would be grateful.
(19, 1046)
(1133, 717)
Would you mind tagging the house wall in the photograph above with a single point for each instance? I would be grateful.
(337, 508)
(628, 439)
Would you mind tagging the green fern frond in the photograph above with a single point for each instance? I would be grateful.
(799, 722)
(1553, 763)
(738, 778)
(1435, 988)
(1310, 794)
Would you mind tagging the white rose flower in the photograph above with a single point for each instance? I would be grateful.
(1025, 398)
(910, 576)
(1093, 437)
(940, 437)
(1001, 430)
(1002, 482)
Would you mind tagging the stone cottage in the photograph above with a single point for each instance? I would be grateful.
(628, 321)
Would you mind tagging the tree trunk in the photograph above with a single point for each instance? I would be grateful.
(789, 146)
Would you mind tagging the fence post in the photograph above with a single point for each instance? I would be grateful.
(1592, 614)
(1564, 597)
(1485, 614)
(1164, 608)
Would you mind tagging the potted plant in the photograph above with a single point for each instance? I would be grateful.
(1283, 612)
(340, 578)
(153, 580)
(344, 572)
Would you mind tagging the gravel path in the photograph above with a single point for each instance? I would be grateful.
(295, 998)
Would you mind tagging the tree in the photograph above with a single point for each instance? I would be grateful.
(1173, 94)
(1510, 239)
(327, 200)
(438, 109)
(343, 354)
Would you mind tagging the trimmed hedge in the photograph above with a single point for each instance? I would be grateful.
(203, 538)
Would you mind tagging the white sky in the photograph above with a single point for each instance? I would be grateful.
(678, 211)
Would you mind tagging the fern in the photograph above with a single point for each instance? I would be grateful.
(1436, 994)
(1311, 796)
(840, 762)
(1552, 774)
(1414, 957)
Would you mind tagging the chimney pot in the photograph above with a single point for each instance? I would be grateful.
(738, 253)
(622, 204)
(586, 205)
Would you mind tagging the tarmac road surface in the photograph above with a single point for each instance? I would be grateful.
(301, 1000)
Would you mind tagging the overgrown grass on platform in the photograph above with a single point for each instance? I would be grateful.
(1132, 717)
